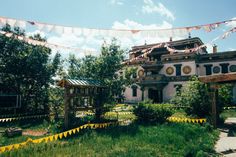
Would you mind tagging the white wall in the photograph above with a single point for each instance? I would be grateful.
(202, 69)
(169, 90)
(191, 64)
(129, 97)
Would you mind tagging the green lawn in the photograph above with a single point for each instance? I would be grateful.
(168, 139)
(228, 113)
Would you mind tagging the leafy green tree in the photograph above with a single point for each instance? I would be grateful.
(195, 95)
(27, 70)
(226, 94)
(104, 68)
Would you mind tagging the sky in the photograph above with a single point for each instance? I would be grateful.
(127, 14)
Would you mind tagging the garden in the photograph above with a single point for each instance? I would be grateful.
(180, 127)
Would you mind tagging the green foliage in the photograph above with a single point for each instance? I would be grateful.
(56, 96)
(103, 68)
(130, 72)
(226, 94)
(195, 95)
(27, 70)
(154, 113)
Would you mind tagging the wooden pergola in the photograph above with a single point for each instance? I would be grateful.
(214, 82)
(81, 95)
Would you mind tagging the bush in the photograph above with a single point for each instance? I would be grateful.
(154, 113)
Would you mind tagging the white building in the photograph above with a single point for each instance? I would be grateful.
(161, 73)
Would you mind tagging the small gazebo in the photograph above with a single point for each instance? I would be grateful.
(214, 82)
(81, 95)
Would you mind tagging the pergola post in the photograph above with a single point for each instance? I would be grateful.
(66, 106)
(214, 95)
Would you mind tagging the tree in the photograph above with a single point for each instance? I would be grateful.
(195, 95)
(27, 70)
(103, 68)
(226, 94)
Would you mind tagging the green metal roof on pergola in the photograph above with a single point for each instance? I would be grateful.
(80, 82)
(81, 95)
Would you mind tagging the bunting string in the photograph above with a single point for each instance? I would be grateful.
(147, 51)
(59, 29)
(70, 132)
(56, 137)
(187, 120)
(43, 43)
(23, 117)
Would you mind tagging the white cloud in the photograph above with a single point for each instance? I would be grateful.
(90, 44)
(232, 23)
(116, 2)
(150, 7)
(231, 49)
(85, 45)
(128, 42)
(129, 24)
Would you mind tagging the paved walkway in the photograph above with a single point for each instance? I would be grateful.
(226, 145)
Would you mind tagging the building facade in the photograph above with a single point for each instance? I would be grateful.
(160, 73)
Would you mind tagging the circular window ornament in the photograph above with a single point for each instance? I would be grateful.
(216, 69)
(232, 68)
(169, 70)
(187, 69)
(140, 73)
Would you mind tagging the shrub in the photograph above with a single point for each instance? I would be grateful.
(154, 113)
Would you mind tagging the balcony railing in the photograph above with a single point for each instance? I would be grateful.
(156, 80)
(153, 66)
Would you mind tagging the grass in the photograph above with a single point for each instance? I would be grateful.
(168, 139)
(228, 113)
(33, 124)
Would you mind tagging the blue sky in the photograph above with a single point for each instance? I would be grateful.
(126, 14)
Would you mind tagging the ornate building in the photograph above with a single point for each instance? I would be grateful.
(161, 72)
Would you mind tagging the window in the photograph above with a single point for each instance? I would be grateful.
(134, 90)
(178, 69)
(208, 69)
(224, 67)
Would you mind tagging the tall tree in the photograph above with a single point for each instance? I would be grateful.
(104, 68)
(27, 70)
